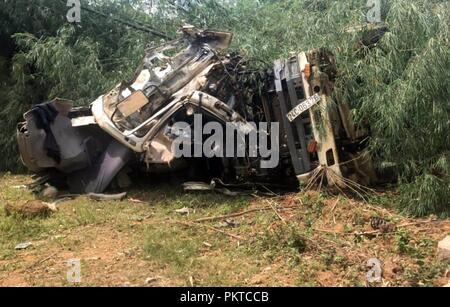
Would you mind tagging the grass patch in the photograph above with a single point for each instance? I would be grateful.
(172, 245)
(149, 237)
(286, 238)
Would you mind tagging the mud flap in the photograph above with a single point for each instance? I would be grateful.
(98, 177)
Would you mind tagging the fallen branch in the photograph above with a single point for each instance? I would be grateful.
(367, 233)
(417, 223)
(37, 263)
(191, 224)
(276, 212)
(375, 232)
(223, 217)
(335, 205)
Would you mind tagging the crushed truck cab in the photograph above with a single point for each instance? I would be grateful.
(134, 127)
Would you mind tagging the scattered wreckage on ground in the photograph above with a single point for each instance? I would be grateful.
(133, 127)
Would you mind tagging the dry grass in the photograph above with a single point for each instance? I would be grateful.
(306, 239)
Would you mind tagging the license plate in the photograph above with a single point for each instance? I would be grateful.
(303, 107)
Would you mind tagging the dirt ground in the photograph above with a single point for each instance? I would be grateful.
(304, 239)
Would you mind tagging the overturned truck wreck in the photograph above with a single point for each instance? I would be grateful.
(192, 106)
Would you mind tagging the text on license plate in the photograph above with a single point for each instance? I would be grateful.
(303, 107)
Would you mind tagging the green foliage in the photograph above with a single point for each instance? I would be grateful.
(172, 245)
(401, 89)
(427, 193)
(286, 237)
(59, 67)
(402, 240)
